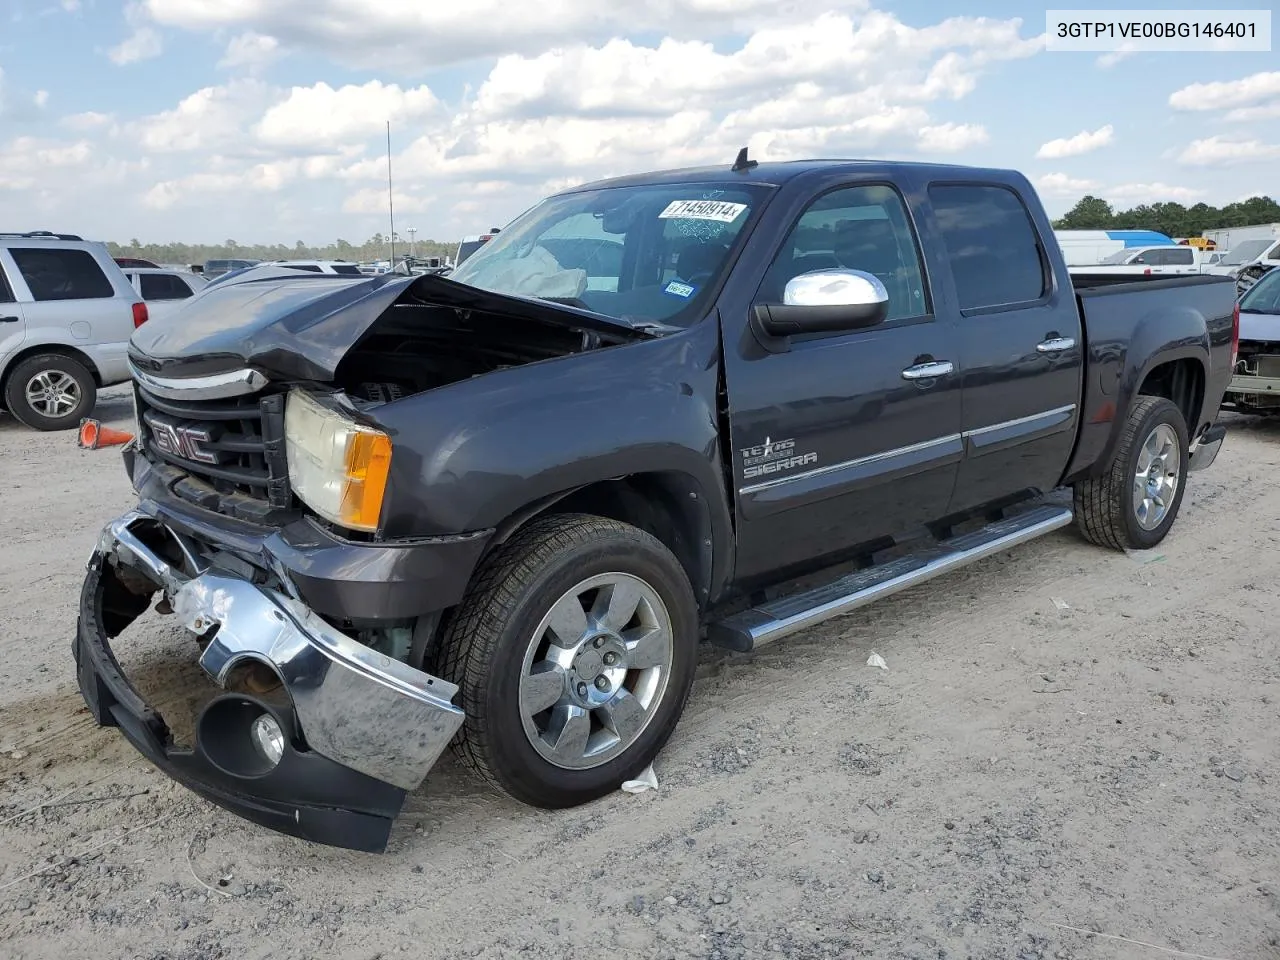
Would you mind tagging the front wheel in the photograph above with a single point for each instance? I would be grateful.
(574, 652)
(1134, 504)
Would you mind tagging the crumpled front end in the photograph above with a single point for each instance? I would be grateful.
(312, 733)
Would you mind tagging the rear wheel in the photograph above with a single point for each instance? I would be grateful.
(1134, 504)
(574, 650)
(50, 391)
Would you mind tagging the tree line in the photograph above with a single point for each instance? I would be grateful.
(377, 247)
(1171, 219)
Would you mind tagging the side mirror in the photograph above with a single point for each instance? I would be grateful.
(825, 301)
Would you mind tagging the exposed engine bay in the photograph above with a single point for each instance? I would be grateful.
(417, 346)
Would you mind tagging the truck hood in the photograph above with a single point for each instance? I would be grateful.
(1260, 327)
(298, 326)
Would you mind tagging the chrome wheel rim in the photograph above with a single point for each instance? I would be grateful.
(1155, 481)
(595, 671)
(52, 393)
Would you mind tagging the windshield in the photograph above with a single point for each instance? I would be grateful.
(1120, 256)
(1263, 296)
(646, 253)
(1247, 251)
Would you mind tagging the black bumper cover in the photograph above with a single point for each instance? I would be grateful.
(306, 795)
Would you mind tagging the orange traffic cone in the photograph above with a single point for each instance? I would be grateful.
(94, 435)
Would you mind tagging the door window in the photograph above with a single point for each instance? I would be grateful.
(53, 274)
(995, 254)
(859, 228)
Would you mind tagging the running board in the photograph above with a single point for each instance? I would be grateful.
(771, 621)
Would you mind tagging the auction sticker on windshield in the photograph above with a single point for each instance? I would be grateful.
(719, 210)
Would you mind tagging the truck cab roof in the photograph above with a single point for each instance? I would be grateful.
(776, 173)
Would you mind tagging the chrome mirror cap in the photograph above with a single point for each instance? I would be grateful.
(838, 288)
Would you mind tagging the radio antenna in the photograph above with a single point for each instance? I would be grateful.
(391, 206)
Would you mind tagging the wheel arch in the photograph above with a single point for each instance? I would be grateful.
(62, 349)
(670, 505)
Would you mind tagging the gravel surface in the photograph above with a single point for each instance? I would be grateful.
(1064, 738)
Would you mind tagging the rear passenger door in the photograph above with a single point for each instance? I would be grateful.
(1020, 343)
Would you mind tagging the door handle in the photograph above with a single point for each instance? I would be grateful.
(927, 371)
(1056, 344)
(9, 319)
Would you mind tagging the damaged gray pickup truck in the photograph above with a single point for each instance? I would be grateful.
(499, 510)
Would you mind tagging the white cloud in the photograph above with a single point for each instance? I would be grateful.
(951, 137)
(250, 51)
(1270, 111)
(87, 121)
(16, 104)
(1223, 95)
(1220, 151)
(409, 36)
(798, 80)
(143, 43)
(1083, 142)
(1062, 185)
(321, 116)
(26, 161)
(1152, 193)
(373, 202)
(207, 119)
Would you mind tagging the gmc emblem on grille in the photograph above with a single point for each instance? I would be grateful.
(182, 441)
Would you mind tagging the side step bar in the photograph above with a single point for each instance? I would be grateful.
(771, 621)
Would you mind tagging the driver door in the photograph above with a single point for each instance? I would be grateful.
(843, 439)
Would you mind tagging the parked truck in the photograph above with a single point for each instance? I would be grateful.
(499, 510)
(1255, 387)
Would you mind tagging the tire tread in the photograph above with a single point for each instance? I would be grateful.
(467, 651)
(1100, 501)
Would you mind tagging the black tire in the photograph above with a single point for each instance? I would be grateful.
(1104, 506)
(15, 391)
(486, 641)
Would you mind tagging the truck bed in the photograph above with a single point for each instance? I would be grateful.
(1146, 316)
(1087, 281)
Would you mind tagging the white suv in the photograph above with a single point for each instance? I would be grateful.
(66, 314)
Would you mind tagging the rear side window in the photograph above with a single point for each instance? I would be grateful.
(6, 294)
(347, 269)
(992, 247)
(163, 286)
(53, 274)
(306, 267)
(1179, 256)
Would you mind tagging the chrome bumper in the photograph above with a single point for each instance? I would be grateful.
(355, 706)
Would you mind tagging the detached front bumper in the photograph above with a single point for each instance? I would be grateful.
(360, 729)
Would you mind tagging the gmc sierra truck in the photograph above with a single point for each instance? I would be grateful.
(499, 510)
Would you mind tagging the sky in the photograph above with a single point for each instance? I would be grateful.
(264, 121)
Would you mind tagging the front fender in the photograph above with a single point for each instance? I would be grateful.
(470, 455)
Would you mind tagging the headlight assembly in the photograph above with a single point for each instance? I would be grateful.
(337, 467)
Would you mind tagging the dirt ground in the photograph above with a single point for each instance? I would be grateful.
(1064, 738)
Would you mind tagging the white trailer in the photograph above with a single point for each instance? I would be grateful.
(1229, 237)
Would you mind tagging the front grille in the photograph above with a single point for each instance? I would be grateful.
(231, 451)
